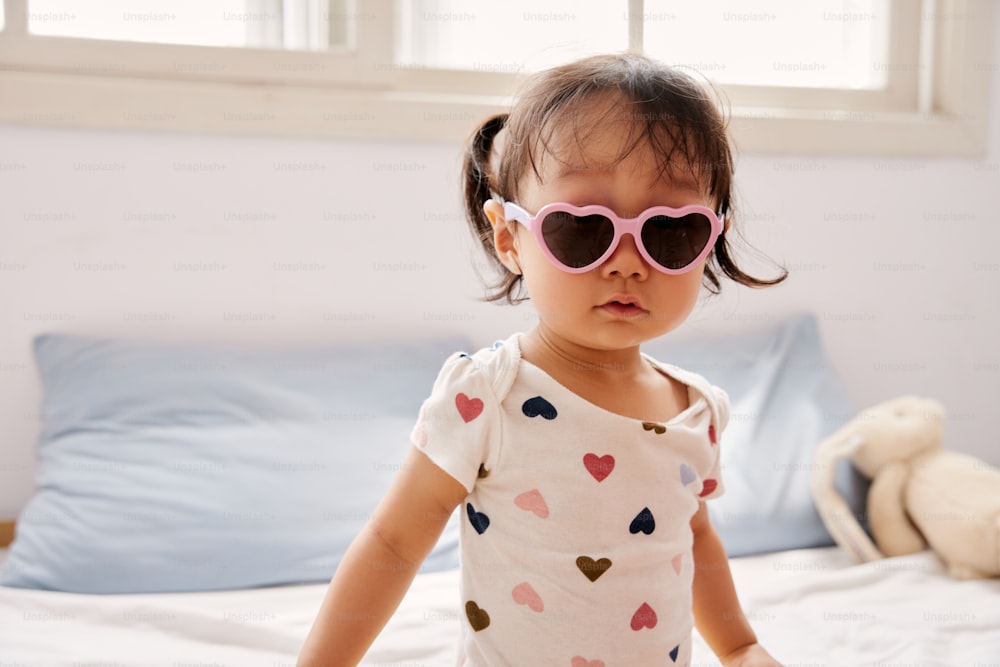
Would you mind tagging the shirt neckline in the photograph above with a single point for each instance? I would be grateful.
(696, 401)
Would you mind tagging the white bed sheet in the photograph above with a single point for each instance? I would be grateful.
(810, 608)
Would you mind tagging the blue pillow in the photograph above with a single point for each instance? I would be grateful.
(197, 467)
(785, 399)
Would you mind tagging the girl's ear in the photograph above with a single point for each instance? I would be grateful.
(503, 235)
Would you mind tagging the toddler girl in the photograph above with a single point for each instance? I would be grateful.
(580, 466)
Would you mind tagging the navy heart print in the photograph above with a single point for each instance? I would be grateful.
(643, 522)
(478, 520)
(538, 406)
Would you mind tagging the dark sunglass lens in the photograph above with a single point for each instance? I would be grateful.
(577, 240)
(676, 242)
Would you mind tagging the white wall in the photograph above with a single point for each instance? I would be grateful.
(168, 236)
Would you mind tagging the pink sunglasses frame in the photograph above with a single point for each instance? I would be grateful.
(622, 226)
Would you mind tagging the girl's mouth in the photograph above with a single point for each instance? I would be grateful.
(622, 309)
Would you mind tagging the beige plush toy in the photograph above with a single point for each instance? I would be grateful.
(919, 494)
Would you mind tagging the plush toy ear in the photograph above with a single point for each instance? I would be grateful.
(836, 514)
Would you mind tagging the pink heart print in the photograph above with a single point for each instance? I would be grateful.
(578, 661)
(644, 617)
(707, 487)
(524, 594)
(599, 466)
(469, 408)
(532, 501)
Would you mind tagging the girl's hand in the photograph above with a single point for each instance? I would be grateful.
(751, 655)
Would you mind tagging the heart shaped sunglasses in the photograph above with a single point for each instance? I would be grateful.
(579, 238)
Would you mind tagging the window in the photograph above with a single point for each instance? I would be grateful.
(292, 24)
(822, 43)
(826, 43)
(885, 77)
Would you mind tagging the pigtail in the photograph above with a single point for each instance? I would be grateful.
(722, 259)
(480, 184)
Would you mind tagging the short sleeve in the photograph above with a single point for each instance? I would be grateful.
(712, 482)
(458, 427)
(721, 407)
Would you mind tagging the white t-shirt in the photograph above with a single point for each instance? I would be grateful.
(576, 539)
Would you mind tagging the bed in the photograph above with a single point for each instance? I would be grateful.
(192, 500)
(809, 607)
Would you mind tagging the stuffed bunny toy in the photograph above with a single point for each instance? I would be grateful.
(919, 492)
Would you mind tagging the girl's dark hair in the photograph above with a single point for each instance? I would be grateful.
(669, 111)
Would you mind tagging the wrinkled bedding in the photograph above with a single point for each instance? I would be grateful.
(809, 607)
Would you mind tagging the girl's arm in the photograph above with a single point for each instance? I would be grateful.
(380, 564)
(717, 612)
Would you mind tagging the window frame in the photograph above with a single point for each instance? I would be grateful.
(935, 103)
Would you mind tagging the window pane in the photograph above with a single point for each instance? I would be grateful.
(280, 24)
(510, 36)
(202, 22)
(820, 43)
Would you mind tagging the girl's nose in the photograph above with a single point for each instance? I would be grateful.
(626, 261)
